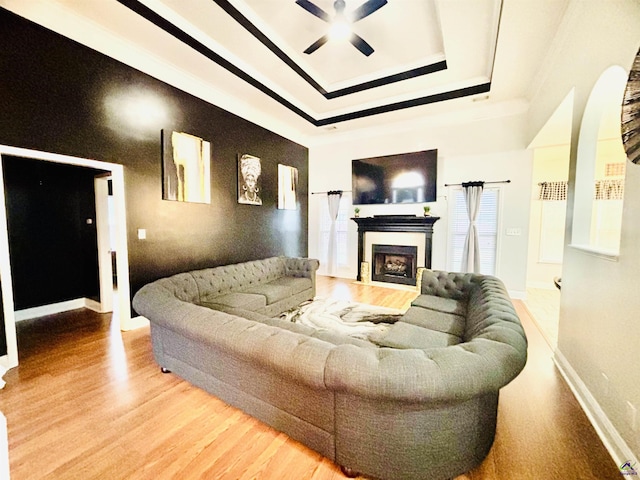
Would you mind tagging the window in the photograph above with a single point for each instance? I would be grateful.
(487, 223)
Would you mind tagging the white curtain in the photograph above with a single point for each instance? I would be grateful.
(471, 250)
(333, 198)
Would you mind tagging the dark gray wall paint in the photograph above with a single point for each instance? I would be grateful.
(61, 97)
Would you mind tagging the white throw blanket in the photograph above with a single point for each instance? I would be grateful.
(354, 319)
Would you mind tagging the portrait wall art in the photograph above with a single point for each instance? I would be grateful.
(186, 168)
(249, 180)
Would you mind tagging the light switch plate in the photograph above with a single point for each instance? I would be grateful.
(142, 234)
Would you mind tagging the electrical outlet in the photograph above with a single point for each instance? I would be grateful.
(605, 384)
(632, 416)
(142, 234)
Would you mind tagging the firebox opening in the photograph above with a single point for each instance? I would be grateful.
(394, 264)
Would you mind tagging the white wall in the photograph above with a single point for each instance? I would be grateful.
(488, 149)
(599, 333)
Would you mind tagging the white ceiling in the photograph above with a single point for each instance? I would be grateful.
(247, 55)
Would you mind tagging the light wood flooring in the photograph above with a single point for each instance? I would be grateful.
(544, 307)
(88, 402)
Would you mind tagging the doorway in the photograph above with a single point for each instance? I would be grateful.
(122, 307)
(547, 221)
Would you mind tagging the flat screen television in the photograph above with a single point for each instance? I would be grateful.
(402, 178)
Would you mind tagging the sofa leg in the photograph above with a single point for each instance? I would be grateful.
(349, 472)
(165, 370)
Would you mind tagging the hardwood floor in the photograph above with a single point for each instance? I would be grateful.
(89, 402)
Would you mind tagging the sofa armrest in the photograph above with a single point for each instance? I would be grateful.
(302, 267)
(293, 355)
(454, 373)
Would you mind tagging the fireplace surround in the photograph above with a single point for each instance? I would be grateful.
(395, 223)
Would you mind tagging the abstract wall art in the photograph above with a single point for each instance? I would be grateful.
(186, 168)
(287, 187)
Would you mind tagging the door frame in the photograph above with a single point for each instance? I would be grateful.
(122, 311)
(105, 269)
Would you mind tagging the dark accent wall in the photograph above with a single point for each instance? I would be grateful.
(59, 96)
(54, 253)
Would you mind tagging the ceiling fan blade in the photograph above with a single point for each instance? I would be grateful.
(361, 45)
(317, 44)
(314, 10)
(367, 9)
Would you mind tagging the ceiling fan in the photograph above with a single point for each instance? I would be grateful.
(340, 24)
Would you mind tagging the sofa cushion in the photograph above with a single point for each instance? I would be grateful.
(280, 288)
(246, 301)
(434, 320)
(405, 335)
(441, 304)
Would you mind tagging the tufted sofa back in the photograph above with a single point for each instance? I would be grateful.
(213, 282)
(489, 310)
(182, 286)
(448, 284)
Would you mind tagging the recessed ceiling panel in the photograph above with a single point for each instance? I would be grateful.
(404, 34)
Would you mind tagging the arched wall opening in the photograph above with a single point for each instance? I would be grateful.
(601, 161)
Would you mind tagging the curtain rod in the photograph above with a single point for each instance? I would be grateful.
(460, 184)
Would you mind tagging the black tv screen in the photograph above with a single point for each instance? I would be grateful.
(402, 178)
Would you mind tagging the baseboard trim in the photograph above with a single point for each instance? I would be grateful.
(136, 322)
(93, 305)
(613, 442)
(35, 312)
(542, 285)
(51, 309)
(518, 294)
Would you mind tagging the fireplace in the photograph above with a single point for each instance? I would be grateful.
(394, 264)
(395, 223)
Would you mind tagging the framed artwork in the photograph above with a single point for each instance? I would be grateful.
(186, 168)
(287, 187)
(249, 180)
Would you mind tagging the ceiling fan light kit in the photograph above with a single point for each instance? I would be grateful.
(340, 24)
(339, 30)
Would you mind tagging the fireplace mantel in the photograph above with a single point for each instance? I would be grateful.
(396, 223)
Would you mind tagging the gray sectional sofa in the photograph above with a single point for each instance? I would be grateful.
(416, 402)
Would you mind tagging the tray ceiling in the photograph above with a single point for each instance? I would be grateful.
(426, 52)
